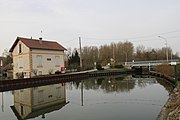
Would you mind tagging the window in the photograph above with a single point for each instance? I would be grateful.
(20, 48)
(58, 92)
(48, 59)
(21, 96)
(39, 60)
(57, 61)
(20, 62)
(22, 111)
(40, 96)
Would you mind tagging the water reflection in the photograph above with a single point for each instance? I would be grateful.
(33, 102)
(115, 97)
(112, 84)
(2, 104)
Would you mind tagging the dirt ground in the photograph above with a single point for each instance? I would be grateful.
(171, 110)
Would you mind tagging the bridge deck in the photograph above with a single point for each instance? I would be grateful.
(150, 63)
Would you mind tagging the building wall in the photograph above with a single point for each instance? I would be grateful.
(49, 63)
(23, 101)
(21, 60)
(29, 100)
(25, 64)
(48, 95)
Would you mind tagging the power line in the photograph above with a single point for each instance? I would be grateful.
(146, 36)
(146, 40)
(155, 35)
(70, 40)
(140, 40)
(173, 37)
(122, 39)
(154, 39)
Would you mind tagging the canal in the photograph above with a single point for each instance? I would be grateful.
(102, 98)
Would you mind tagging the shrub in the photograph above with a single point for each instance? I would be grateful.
(119, 66)
(50, 71)
(58, 72)
(78, 69)
(165, 69)
(99, 67)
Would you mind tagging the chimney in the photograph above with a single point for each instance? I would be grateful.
(40, 40)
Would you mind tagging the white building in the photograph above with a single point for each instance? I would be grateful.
(33, 57)
(36, 101)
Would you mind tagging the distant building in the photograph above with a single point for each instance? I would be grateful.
(38, 101)
(8, 71)
(33, 57)
(5, 69)
(1, 66)
(2, 61)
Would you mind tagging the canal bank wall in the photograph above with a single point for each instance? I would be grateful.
(7, 85)
(164, 76)
(171, 109)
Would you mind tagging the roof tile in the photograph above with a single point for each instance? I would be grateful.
(39, 44)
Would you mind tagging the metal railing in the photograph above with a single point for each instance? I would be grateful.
(147, 63)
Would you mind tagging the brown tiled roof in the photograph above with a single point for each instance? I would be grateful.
(38, 44)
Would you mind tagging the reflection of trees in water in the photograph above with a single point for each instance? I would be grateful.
(141, 83)
(73, 84)
(76, 84)
(115, 83)
(107, 84)
(112, 85)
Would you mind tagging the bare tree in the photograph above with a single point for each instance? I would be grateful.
(89, 56)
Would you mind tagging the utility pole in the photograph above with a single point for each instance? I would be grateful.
(80, 52)
(113, 51)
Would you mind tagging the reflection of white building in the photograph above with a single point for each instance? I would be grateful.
(33, 57)
(33, 102)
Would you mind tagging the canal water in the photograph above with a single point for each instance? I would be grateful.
(103, 98)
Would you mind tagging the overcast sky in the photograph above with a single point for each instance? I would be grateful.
(98, 22)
